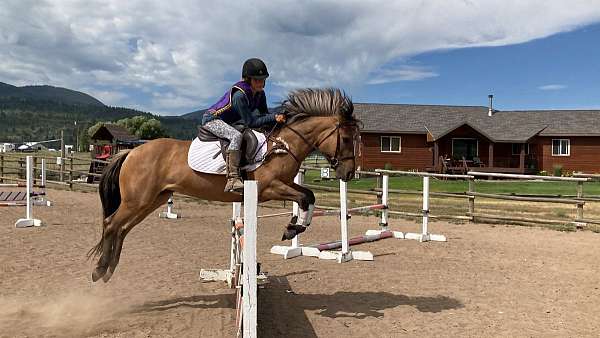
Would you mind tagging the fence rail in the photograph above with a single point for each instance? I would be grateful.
(67, 172)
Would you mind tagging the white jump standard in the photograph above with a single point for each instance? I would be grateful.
(323, 250)
(29, 220)
(424, 235)
(169, 214)
(243, 272)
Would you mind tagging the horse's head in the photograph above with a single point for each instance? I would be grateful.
(337, 137)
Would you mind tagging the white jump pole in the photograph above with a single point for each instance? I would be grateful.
(385, 192)
(29, 221)
(425, 236)
(345, 254)
(385, 180)
(41, 200)
(243, 253)
(249, 285)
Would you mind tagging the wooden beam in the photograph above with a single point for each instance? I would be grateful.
(436, 156)
(522, 158)
(491, 155)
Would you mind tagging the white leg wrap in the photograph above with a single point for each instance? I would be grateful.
(305, 217)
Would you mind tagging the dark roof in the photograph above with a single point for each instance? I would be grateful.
(114, 133)
(502, 126)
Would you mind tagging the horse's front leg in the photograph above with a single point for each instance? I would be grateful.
(278, 190)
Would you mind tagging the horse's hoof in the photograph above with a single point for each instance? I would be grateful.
(107, 276)
(288, 234)
(98, 273)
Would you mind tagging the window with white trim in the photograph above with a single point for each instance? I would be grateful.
(561, 147)
(516, 148)
(390, 144)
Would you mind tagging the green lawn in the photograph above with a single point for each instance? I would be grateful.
(458, 186)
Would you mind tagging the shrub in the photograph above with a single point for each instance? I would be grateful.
(557, 170)
(388, 166)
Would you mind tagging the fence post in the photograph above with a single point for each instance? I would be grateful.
(580, 205)
(71, 173)
(471, 198)
(1, 168)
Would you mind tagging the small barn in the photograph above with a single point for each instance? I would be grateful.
(109, 139)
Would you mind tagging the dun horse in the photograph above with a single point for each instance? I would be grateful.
(137, 182)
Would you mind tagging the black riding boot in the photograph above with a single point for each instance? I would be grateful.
(234, 181)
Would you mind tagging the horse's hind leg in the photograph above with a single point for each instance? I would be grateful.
(112, 225)
(161, 199)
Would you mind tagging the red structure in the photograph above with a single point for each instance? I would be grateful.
(460, 138)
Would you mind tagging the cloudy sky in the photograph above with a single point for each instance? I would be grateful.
(172, 57)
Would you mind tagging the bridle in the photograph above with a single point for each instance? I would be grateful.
(335, 160)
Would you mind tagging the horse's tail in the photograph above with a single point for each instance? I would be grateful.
(110, 194)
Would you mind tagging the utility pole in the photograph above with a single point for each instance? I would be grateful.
(62, 152)
(76, 137)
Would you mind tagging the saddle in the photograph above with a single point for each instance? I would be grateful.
(248, 148)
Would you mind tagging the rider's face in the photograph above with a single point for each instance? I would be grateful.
(257, 85)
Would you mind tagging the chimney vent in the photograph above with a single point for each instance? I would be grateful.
(491, 109)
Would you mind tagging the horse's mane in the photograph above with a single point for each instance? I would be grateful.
(302, 103)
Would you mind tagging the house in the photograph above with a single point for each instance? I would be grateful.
(425, 137)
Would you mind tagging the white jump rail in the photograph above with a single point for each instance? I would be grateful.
(243, 272)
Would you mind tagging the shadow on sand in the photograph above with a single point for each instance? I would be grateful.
(282, 312)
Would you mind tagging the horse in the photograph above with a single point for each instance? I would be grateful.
(138, 181)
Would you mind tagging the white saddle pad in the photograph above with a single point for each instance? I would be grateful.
(201, 156)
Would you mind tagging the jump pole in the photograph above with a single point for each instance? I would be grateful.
(243, 270)
(424, 236)
(29, 220)
(321, 250)
(345, 254)
(296, 249)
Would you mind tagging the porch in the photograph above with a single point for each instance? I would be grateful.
(481, 154)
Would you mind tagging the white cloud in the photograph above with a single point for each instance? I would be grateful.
(552, 87)
(194, 49)
(401, 73)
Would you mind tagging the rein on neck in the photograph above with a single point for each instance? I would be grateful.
(334, 160)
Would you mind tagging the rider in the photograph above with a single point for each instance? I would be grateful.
(244, 103)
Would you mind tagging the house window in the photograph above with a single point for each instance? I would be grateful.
(561, 147)
(465, 147)
(390, 144)
(516, 148)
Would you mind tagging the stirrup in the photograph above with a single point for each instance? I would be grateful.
(234, 184)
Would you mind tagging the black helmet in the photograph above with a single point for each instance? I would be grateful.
(255, 68)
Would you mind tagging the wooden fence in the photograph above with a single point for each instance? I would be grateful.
(73, 171)
(62, 171)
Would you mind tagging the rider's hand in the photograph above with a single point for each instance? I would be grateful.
(280, 118)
